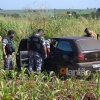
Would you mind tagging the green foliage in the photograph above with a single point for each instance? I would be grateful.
(33, 86)
(53, 27)
(45, 87)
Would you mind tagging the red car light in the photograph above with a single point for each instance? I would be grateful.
(80, 56)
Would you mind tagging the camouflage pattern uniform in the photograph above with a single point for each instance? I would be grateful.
(47, 42)
(35, 58)
(7, 63)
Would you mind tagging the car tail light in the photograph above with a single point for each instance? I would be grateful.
(80, 56)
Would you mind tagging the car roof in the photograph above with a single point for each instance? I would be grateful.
(74, 37)
(24, 39)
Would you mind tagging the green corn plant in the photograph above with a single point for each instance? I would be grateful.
(21, 96)
(34, 94)
(14, 74)
(22, 87)
(13, 87)
(4, 90)
(51, 94)
(98, 85)
(32, 75)
(5, 73)
(84, 88)
(75, 94)
(23, 74)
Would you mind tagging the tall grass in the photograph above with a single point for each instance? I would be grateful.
(53, 27)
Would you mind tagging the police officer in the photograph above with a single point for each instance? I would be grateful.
(8, 50)
(45, 61)
(37, 50)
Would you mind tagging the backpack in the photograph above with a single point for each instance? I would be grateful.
(36, 43)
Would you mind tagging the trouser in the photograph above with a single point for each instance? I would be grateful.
(35, 60)
(8, 65)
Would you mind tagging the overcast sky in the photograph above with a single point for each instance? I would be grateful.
(49, 4)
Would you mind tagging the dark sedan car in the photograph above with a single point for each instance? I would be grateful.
(69, 55)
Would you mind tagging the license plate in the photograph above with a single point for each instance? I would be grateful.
(96, 65)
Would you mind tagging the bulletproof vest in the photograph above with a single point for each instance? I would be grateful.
(36, 43)
(9, 48)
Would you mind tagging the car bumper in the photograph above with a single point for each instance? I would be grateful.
(87, 66)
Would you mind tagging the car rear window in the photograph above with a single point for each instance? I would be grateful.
(23, 45)
(89, 44)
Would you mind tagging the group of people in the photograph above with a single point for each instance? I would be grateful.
(38, 49)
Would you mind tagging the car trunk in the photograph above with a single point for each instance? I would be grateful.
(92, 56)
(90, 48)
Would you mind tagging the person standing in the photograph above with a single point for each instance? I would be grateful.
(37, 50)
(8, 50)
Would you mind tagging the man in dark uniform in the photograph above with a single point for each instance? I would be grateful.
(8, 50)
(37, 50)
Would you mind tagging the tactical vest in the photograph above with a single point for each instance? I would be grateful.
(36, 43)
(9, 47)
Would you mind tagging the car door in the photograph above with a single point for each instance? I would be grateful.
(22, 54)
(63, 52)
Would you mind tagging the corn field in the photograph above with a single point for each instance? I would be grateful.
(22, 86)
